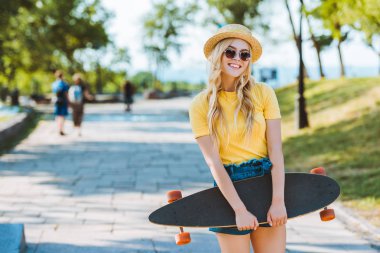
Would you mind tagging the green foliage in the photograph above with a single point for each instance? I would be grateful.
(62, 27)
(38, 36)
(323, 41)
(11, 52)
(363, 15)
(109, 80)
(172, 86)
(331, 13)
(142, 80)
(163, 27)
(238, 12)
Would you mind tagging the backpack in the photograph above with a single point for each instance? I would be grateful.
(60, 97)
(76, 94)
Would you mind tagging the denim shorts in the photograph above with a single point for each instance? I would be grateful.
(251, 168)
(61, 110)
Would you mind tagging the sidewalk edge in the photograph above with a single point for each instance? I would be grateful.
(358, 225)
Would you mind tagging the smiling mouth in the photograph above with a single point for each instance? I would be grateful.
(234, 66)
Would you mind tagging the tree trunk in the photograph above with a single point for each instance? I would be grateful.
(376, 52)
(295, 37)
(317, 48)
(342, 72)
(303, 121)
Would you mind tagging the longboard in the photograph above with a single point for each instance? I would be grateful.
(304, 193)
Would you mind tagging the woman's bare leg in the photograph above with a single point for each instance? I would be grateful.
(233, 243)
(269, 240)
(60, 122)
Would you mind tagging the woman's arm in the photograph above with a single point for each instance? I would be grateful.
(277, 213)
(244, 219)
(88, 95)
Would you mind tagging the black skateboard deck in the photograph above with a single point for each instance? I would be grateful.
(304, 193)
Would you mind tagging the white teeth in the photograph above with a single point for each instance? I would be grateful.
(234, 65)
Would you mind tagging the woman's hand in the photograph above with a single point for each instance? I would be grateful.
(277, 215)
(245, 220)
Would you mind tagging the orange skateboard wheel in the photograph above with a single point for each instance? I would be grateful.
(182, 238)
(327, 214)
(173, 195)
(318, 171)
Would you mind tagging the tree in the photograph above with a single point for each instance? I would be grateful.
(11, 51)
(295, 36)
(142, 79)
(331, 13)
(162, 30)
(301, 105)
(44, 35)
(363, 16)
(67, 26)
(320, 42)
(319, 37)
(245, 12)
(105, 62)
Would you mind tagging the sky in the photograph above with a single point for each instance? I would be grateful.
(126, 29)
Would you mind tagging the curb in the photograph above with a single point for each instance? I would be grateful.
(14, 126)
(358, 225)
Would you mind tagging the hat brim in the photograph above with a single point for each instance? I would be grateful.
(252, 41)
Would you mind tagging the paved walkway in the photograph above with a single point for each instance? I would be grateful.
(94, 193)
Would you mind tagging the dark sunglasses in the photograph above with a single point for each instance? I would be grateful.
(243, 54)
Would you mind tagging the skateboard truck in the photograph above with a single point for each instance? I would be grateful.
(183, 237)
(326, 214)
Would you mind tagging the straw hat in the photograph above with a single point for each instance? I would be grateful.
(234, 31)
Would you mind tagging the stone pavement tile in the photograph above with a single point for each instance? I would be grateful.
(203, 241)
(94, 240)
(5, 206)
(59, 214)
(4, 219)
(146, 186)
(27, 220)
(121, 197)
(309, 234)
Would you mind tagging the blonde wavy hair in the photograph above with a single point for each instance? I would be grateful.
(243, 88)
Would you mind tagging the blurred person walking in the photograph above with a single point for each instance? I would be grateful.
(129, 91)
(78, 94)
(60, 89)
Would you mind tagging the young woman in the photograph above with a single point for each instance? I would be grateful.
(60, 89)
(236, 123)
(78, 95)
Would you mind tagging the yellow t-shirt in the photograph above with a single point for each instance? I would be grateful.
(238, 150)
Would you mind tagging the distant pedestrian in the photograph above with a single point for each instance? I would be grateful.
(129, 91)
(15, 94)
(78, 94)
(4, 92)
(60, 89)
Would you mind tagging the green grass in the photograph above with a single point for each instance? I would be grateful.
(5, 118)
(343, 137)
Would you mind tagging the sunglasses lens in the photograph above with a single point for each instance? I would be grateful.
(244, 56)
(230, 53)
